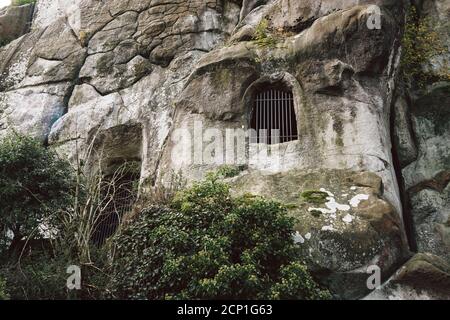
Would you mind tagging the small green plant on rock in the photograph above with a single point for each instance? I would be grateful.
(228, 171)
(263, 38)
(35, 185)
(22, 2)
(315, 197)
(421, 43)
(3, 293)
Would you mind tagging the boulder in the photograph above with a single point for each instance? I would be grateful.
(424, 277)
(15, 21)
(344, 226)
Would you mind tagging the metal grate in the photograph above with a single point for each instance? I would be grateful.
(273, 117)
(120, 201)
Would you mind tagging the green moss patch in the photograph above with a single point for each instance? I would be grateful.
(314, 196)
(227, 171)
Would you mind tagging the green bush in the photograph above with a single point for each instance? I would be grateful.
(3, 294)
(210, 245)
(42, 276)
(37, 277)
(34, 186)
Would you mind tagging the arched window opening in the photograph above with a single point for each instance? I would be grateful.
(273, 116)
(117, 196)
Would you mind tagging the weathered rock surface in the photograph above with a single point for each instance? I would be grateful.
(424, 277)
(14, 22)
(423, 135)
(346, 228)
(126, 76)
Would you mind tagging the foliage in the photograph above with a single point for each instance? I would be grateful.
(262, 35)
(296, 282)
(34, 185)
(93, 198)
(42, 276)
(201, 244)
(228, 171)
(22, 2)
(210, 245)
(37, 277)
(421, 43)
(40, 273)
(3, 294)
(4, 42)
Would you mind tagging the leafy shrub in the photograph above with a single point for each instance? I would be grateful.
(42, 276)
(34, 185)
(37, 277)
(209, 245)
(421, 43)
(3, 293)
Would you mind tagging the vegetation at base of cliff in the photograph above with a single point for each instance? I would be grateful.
(34, 185)
(3, 294)
(207, 244)
(421, 43)
(48, 215)
(314, 197)
(200, 243)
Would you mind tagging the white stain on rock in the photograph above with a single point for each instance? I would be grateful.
(327, 192)
(356, 200)
(327, 228)
(348, 218)
(332, 205)
(298, 238)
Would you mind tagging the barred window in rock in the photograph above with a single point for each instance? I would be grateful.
(273, 117)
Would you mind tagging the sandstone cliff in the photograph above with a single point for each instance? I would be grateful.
(129, 74)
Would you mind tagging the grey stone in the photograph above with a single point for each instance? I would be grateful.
(424, 277)
(15, 21)
(126, 75)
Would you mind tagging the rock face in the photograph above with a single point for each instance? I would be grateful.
(424, 277)
(15, 21)
(423, 135)
(163, 82)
